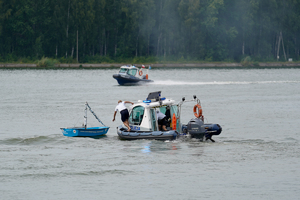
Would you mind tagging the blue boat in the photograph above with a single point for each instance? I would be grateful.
(85, 131)
(144, 124)
(131, 75)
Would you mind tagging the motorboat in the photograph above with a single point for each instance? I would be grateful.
(143, 120)
(131, 75)
(85, 131)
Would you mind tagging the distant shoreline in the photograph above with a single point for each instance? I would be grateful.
(116, 65)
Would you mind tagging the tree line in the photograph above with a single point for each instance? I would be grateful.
(190, 30)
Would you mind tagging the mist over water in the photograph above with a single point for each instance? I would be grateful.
(256, 155)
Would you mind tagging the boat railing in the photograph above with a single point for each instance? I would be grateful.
(195, 99)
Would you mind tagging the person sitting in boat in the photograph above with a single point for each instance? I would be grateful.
(162, 122)
(124, 113)
(168, 116)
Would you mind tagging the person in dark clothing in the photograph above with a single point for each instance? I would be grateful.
(162, 122)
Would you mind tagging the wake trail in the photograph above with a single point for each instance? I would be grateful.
(170, 82)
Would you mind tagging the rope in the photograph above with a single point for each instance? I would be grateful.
(94, 114)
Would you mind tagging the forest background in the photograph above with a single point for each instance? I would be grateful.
(145, 31)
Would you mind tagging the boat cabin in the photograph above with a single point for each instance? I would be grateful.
(143, 115)
(130, 70)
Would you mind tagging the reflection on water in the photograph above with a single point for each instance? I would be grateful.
(192, 146)
(99, 137)
(158, 146)
(146, 148)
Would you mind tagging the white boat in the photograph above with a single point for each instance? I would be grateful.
(144, 124)
(131, 75)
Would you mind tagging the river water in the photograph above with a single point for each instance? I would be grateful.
(255, 157)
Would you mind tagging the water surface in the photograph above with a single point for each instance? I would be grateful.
(256, 155)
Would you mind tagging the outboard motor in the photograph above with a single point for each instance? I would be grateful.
(197, 129)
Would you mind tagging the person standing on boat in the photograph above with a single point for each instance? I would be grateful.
(162, 121)
(124, 113)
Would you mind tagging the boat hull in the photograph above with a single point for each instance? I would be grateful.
(150, 135)
(124, 79)
(84, 132)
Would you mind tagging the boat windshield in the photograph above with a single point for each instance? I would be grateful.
(123, 70)
(132, 71)
(136, 115)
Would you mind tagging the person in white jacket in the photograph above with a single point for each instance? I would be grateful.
(124, 113)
